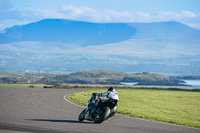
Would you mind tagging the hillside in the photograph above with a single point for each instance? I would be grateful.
(154, 40)
(89, 77)
(66, 46)
(69, 32)
(91, 34)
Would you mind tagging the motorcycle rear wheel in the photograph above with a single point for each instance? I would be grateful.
(103, 116)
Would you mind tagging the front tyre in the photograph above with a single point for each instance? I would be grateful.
(103, 116)
(81, 117)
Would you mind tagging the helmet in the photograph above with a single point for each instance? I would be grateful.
(111, 89)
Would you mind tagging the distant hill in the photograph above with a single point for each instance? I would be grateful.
(90, 77)
(161, 39)
(66, 46)
(69, 32)
(156, 40)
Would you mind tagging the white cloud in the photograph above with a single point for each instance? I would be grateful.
(167, 15)
(10, 16)
(176, 16)
(188, 14)
(92, 15)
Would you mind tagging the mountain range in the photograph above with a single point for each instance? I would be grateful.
(69, 32)
(64, 46)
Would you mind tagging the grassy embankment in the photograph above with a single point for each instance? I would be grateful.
(89, 77)
(175, 107)
(24, 85)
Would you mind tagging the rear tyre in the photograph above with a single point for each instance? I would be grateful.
(103, 116)
(81, 117)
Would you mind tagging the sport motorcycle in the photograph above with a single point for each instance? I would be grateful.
(98, 109)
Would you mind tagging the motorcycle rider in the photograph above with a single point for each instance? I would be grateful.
(110, 94)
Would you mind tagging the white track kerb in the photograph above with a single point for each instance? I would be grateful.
(65, 97)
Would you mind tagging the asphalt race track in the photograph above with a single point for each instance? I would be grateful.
(45, 111)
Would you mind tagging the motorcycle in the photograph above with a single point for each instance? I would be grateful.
(98, 109)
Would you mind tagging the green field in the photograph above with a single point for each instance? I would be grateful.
(24, 85)
(175, 107)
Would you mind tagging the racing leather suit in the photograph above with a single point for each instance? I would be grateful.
(109, 95)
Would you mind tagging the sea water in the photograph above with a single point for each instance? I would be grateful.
(193, 83)
(187, 84)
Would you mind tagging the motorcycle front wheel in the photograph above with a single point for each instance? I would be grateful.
(81, 117)
(103, 116)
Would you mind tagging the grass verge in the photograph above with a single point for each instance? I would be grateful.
(175, 107)
(24, 85)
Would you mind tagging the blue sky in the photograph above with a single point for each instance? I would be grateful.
(17, 12)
